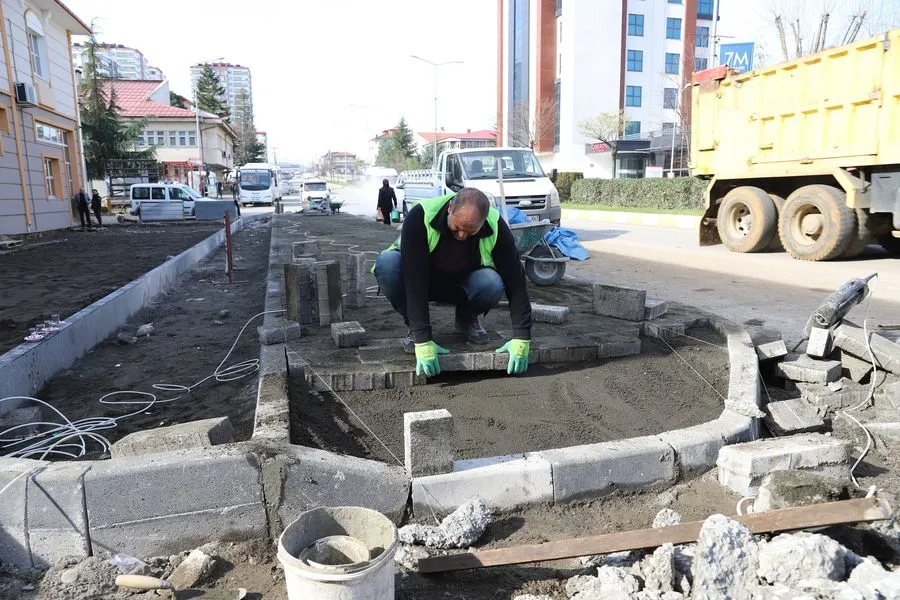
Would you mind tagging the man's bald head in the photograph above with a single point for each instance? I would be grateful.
(467, 213)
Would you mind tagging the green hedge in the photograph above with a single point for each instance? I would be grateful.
(564, 183)
(678, 193)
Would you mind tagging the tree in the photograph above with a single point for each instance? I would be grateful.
(527, 130)
(607, 128)
(404, 140)
(177, 100)
(106, 136)
(247, 148)
(210, 94)
(399, 150)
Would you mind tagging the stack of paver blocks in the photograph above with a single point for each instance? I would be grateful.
(356, 280)
(328, 290)
(300, 291)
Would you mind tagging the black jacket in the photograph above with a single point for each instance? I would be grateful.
(454, 259)
(387, 199)
(95, 202)
(80, 199)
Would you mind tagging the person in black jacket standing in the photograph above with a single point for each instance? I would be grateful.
(95, 206)
(456, 249)
(387, 201)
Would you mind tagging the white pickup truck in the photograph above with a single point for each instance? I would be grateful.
(525, 185)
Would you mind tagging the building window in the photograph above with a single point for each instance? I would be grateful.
(173, 138)
(4, 120)
(703, 37)
(52, 178)
(672, 60)
(632, 95)
(700, 64)
(49, 134)
(37, 46)
(142, 138)
(673, 29)
(632, 127)
(635, 60)
(160, 138)
(705, 9)
(192, 138)
(636, 25)
(182, 138)
(670, 98)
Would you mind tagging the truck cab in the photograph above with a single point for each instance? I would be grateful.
(525, 185)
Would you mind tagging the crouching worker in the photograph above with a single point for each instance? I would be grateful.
(456, 249)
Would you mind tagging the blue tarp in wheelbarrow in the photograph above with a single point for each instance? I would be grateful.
(563, 239)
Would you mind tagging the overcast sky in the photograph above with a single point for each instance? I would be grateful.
(311, 59)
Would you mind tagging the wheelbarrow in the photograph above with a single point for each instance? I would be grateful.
(544, 265)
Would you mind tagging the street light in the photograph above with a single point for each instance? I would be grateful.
(435, 65)
(202, 167)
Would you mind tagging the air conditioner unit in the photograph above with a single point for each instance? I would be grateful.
(25, 94)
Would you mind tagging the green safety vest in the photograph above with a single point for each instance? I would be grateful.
(432, 207)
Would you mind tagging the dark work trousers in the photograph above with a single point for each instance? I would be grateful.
(97, 213)
(85, 214)
(386, 214)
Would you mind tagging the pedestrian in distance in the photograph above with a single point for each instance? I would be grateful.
(81, 203)
(456, 249)
(95, 206)
(387, 201)
(218, 189)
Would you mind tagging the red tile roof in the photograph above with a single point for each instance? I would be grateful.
(484, 134)
(133, 98)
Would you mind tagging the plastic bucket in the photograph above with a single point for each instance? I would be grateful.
(395, 216)
(339, 553)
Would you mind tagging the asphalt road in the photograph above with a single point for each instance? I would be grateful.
(768, 289)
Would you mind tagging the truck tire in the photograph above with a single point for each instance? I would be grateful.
(747, 219)
(775, 244)
(862, 235)
(889, 243)
(816, 223)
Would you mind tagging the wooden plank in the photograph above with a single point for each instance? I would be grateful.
(788, 519)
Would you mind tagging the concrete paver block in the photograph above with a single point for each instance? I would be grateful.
(819, 343)
(663, 329)
(157, 504)
(505, 485)
(304, 478)
(852, 367)
(799, 367)
(269, 335)
(837, 395)
(428, 442)
(696, 448)
(618, 348)
(742, 466)
(594, 470)
(545, 313)
(349, 334)
(744, 382)
(619, 302)
(769, 343)
(788, 417)
(655, 308)
(328, 290)
(851, 337)
(194, 434)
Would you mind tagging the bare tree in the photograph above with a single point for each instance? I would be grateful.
(526, 129)
(607, 128)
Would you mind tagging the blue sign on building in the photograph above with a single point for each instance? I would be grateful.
(737, 56)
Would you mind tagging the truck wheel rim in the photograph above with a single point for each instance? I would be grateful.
(740, 220)
(807, 225)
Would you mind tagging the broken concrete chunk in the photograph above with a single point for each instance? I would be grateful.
(126, 339)
(851, 338)
(788, 417)
(727, 559)
(788, 558)
(532, 597)
(659, 569)
(617, 578)
(799, 367)
(836, 395)
(873, 581)
(666, 518)
(193, 570)
(408, 557)
(545, 313)
(145, 329)
(787, 489)
(459, 529)
(584, 586)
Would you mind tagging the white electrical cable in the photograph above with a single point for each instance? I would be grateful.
(68, 439)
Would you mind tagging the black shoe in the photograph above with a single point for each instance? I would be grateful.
(409, 346)
(473, 330)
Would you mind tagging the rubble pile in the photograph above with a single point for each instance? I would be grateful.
(729, 562)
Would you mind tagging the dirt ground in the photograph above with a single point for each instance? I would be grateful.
(553, 406)
(65, 271)
(189, 341)
(253, 566)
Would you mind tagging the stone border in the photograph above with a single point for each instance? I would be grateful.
(26, 368)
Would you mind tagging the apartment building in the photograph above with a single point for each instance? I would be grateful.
(235, 79)
(41, 165)
(562, 62)
(118, 61)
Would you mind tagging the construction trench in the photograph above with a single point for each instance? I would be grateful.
(631, 405)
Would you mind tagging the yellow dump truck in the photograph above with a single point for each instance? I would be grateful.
(805, 154)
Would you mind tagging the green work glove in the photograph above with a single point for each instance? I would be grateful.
(518, 355)
(427, 358)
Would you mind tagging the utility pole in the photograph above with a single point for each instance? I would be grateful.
(435, 65)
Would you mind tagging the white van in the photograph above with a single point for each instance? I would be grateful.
(315, 191)
(162, 198)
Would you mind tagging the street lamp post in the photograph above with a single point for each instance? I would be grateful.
(435, 65)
